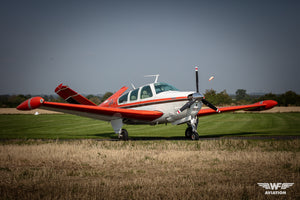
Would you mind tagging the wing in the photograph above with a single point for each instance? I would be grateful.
(71, 96)
(286, 185)
(96, 112)
(262, 105)
(264, 185)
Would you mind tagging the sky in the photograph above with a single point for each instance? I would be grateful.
(100, 46)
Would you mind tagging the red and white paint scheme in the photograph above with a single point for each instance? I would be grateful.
(154, 103)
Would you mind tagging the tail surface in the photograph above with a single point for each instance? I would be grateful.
(112, 101)
(71, 96)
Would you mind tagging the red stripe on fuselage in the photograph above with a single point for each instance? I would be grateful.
(152, 102)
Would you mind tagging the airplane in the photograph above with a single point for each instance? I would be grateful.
(154, 103)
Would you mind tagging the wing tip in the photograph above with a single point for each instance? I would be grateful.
(31, 103)
(268, 104)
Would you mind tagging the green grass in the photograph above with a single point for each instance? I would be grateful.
(74, 127)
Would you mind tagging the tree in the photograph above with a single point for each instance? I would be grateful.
(223, 98)
(289, 98)
(269, 96)
(240, 94)
(106, 96)
(15, 100)
(95, 99)
(242, 97)
(211, 96)
(217, 99)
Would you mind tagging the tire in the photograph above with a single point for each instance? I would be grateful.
(195, 136)
(188, 132)
(124, 135)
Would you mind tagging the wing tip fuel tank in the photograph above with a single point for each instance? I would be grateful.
(270, 104)
(264, 105)
(31, 103)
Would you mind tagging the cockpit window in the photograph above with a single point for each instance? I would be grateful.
(146, 92)
(123, 99)
(163, 87)
(134, 95)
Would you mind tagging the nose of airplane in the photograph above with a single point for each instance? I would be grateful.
(31, 103)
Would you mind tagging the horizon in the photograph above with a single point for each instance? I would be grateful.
(130, 89)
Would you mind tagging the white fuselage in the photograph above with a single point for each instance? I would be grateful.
(160, 97)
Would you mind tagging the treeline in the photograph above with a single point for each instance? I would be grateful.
(12, 101)
(289, 98)
(241, 97)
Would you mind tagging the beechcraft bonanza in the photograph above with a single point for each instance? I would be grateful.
(155, 103)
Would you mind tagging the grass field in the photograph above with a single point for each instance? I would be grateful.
(74, 127)
(150, 169)
(89, 169)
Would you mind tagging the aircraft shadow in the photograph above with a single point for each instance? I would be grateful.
(108, 135)
(214, 136)
(135, 138)
(230, 134)
(113, 136)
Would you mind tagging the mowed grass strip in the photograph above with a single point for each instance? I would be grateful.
(52, 127)
(75, 127)
(250, 124)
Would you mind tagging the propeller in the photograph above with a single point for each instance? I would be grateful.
(197, 96)
(204, 101)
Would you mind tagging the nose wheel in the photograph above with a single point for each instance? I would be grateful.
(195, 136)
(189, 133)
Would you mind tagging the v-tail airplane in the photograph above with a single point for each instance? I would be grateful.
(154, 103)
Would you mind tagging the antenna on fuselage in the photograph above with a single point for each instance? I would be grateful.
(156, 77)
(133, 86)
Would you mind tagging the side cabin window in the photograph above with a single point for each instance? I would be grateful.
(123, 99)
(134, 95)
(146, 92)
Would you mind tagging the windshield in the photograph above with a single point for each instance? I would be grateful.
(163, 87)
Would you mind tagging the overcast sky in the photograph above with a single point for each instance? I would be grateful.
(99, 46)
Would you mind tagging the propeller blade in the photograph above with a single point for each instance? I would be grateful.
(197, 80)
(186, 106)
(204, 101)
(196, 96)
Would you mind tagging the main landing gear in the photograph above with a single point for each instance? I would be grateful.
(117, 126)
(123, 135)
(191, 131)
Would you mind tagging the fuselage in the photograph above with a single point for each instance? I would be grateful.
(159, 97)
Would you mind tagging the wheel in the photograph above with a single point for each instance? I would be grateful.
(124, 135)
(195, 136)
(188, 132)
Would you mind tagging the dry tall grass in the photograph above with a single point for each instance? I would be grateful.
(217, 169)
